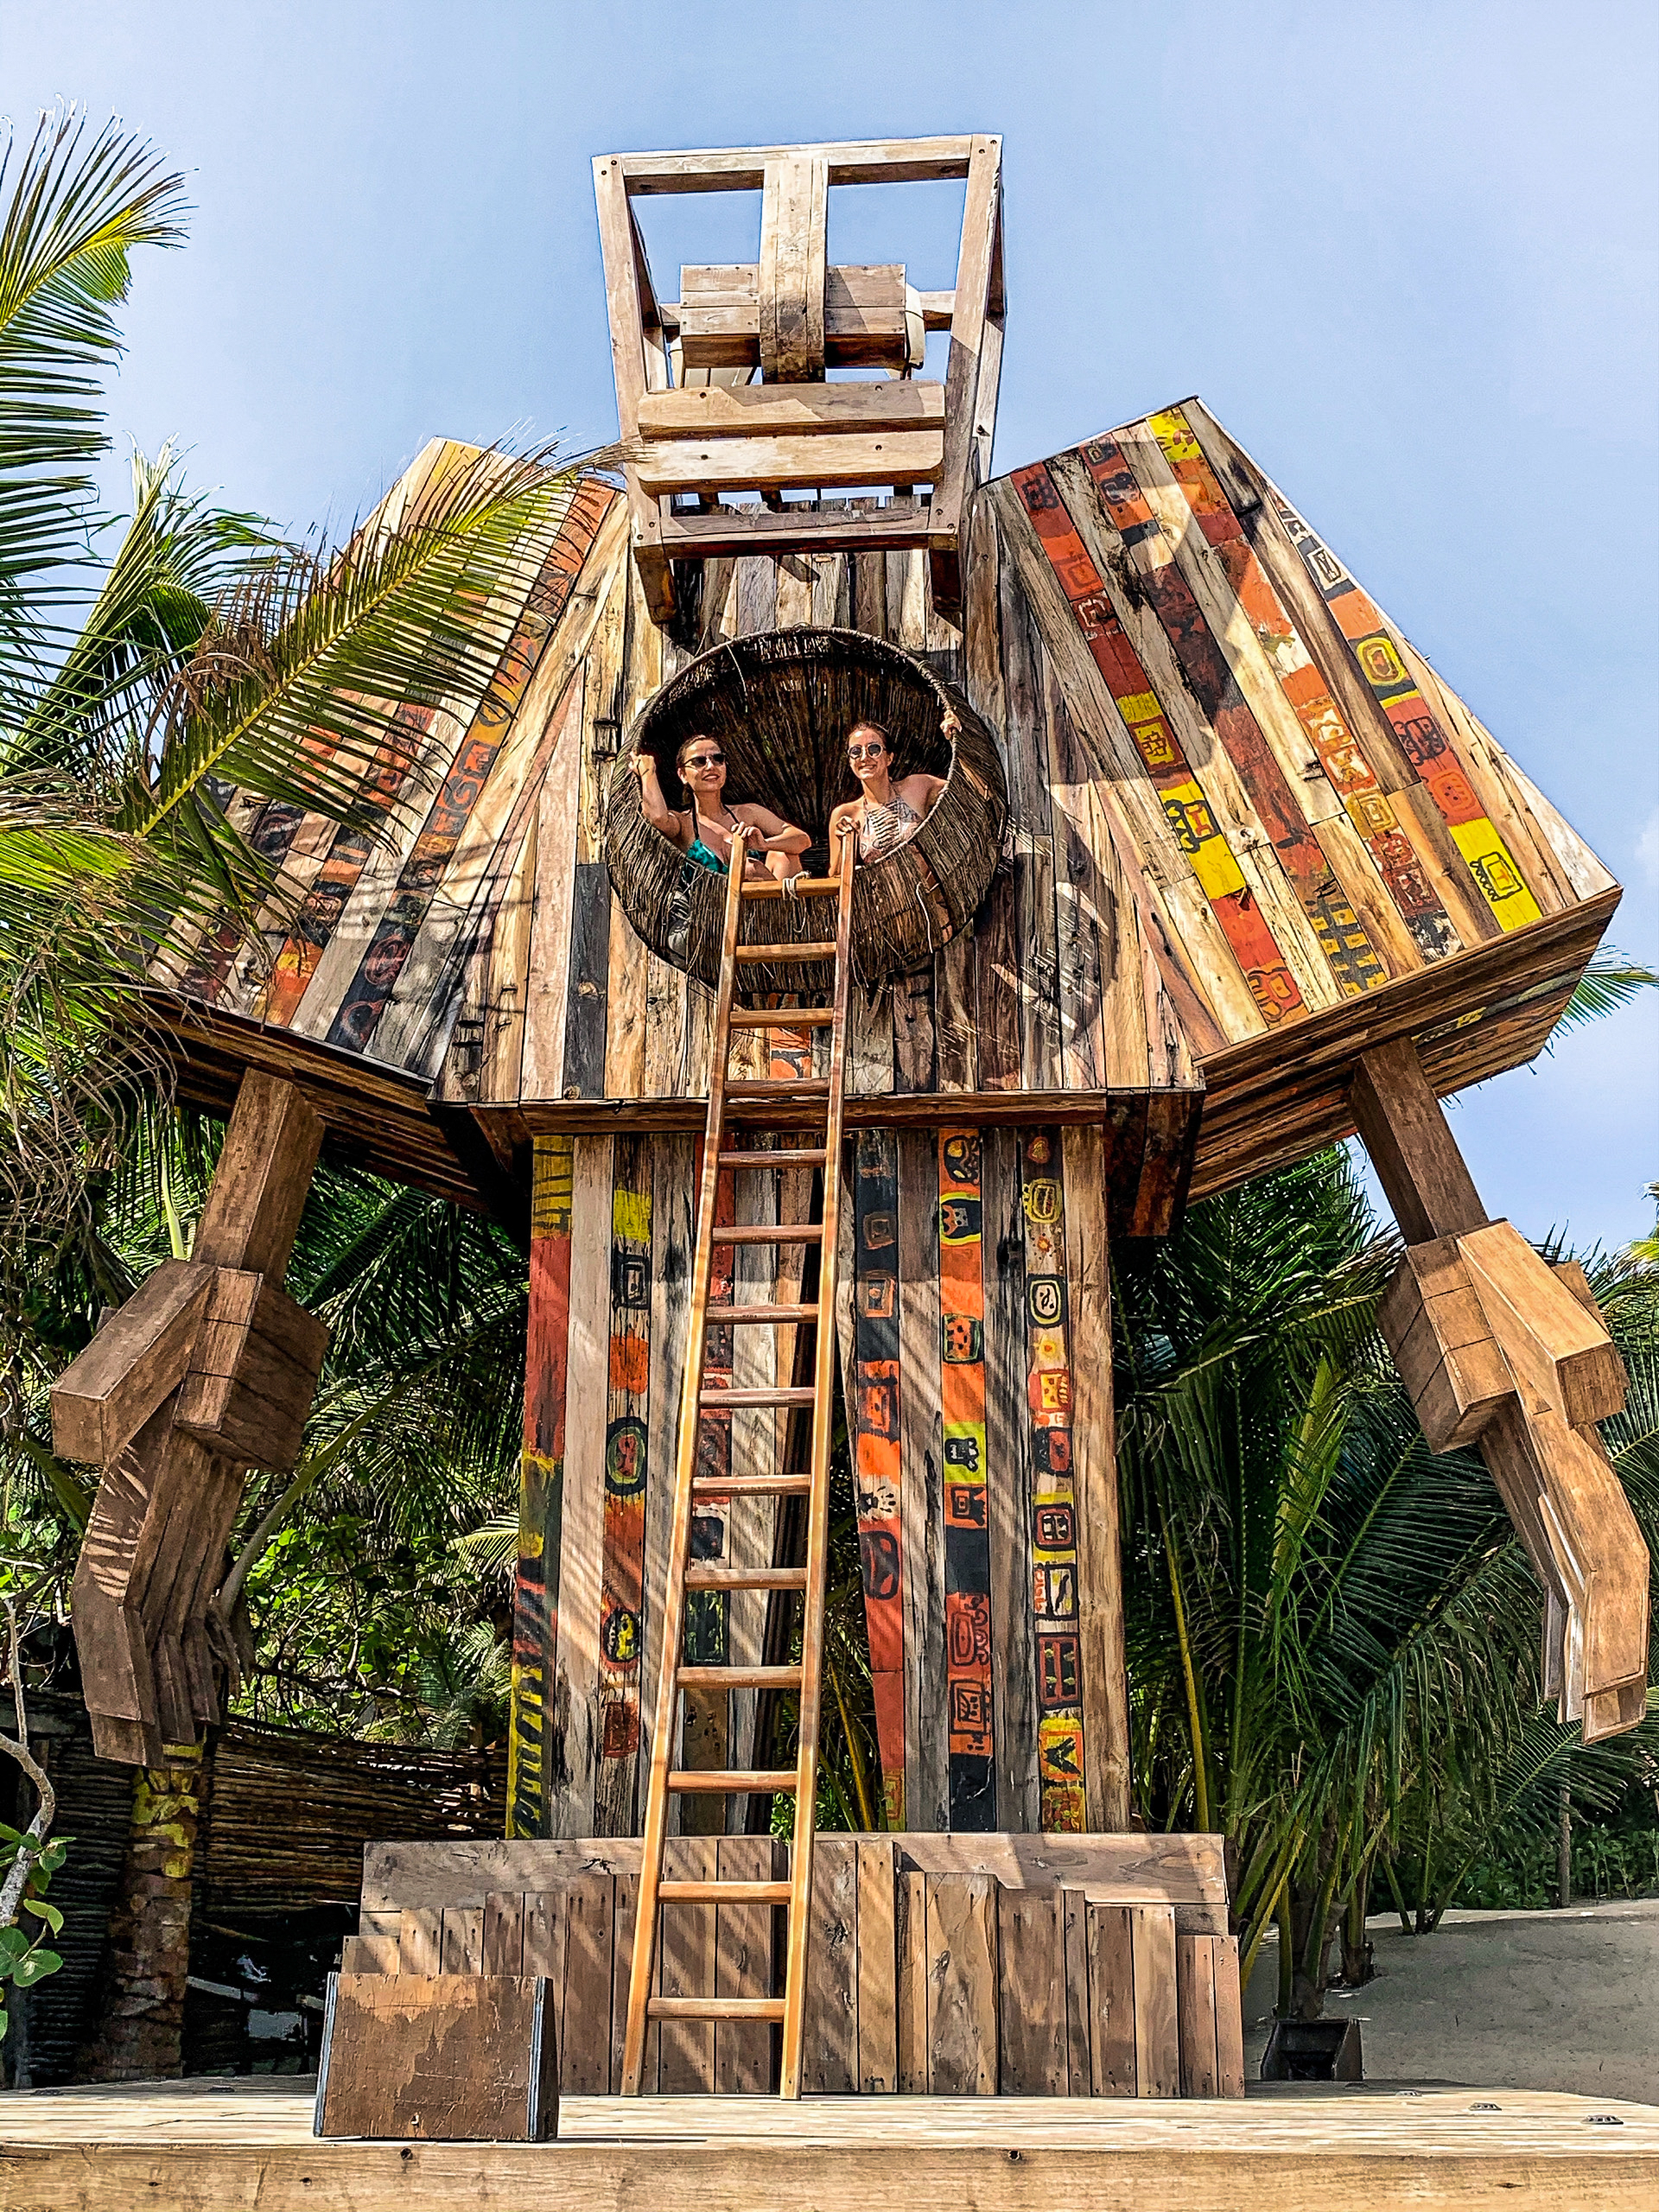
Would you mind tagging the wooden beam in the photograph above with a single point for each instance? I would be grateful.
(263, 1178)
(717, 321)
(743, 169)
(625, 310)
(1403, 1127)
(138, 1359)
(791, 286)
(667, 465)
(793, 410)
(980, 218)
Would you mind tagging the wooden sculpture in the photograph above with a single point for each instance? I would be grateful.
(1223, 873)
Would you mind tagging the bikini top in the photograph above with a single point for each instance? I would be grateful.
(881, 829)
(700, 856)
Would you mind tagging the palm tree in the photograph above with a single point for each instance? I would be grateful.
(1332, 1632)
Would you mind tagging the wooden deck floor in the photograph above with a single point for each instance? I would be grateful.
(201, 2146)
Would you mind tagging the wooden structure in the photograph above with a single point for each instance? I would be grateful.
(219, 2145)
(1262, 880)
(699, 427)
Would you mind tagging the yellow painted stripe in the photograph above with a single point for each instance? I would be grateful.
(1500, 881)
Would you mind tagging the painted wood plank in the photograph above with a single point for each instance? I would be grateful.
(1017, 1802)
(925, 1802)
(875, 1408)
(629, 1471)
(546, 1016)
(571, 1722)
(968, 1628)
(1100, 1595)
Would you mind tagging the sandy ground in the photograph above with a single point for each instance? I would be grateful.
(1521, 2000)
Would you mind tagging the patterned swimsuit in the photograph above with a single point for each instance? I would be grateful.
(882, 829)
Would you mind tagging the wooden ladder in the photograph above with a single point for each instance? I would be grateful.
(788, 1100)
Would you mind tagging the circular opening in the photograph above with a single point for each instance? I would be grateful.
(779, 706)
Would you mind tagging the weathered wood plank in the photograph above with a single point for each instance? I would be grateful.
(962, 1965)
(1030, 1963)
(448, 2058)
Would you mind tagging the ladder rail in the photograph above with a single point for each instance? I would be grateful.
(662, 1745)
(665, 1778)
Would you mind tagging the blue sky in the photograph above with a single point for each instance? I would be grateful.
(1407, 254)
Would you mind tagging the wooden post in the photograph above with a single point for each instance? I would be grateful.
(180, 1394)
(1499, 1350)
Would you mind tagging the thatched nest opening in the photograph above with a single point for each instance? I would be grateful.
(780, 705)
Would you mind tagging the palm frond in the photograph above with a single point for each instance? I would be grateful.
(1611, 981)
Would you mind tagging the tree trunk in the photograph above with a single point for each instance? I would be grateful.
(141, 2036)
(1357, 1950)
(1563, 1853)
(1306, 1994)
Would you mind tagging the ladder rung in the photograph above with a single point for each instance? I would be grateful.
(734, 1782)
(715, 1401)
(723, 1892)
(745, 1578)
(805, 887)
(721, 1317)
(739, 1678)
(784, 1091)
(809, 1158)
(780, 1232)
(753, 1485)
(753, 956)
(783, 1017)
(714, 2008)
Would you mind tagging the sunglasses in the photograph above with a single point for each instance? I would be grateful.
(865, 752)
(705, 760)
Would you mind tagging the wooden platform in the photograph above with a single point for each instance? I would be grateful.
(196, 2146)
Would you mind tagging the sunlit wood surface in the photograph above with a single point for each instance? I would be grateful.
(199, 2145)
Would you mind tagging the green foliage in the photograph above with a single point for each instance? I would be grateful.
(25, 1956)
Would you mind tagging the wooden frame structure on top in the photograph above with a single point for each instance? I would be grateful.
(789, 317)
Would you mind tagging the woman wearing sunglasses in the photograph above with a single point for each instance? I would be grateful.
(887, 814)
(704, 831)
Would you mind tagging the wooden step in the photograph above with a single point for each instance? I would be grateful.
(749, 1317)
(809, 1158)
(714, 2008)
(717, 1401)
(754, 956)
(745, 1578)
(792, 1017)
(765, 1232)
(753, 1485)
(739, 1678)
(806, 886)
(723, 1892)
(732, 1781)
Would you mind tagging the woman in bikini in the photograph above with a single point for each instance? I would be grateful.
(703, 831)
(886, 814)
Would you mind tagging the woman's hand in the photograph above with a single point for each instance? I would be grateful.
(949, 724)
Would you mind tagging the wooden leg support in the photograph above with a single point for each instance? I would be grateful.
(1501, 1351)
(207, 1369)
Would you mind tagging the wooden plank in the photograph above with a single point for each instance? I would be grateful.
(135, 1363)
(962, 1957)
(744, 1964)
(1157, 2037)
(504, 1933)
(1112, 2041)
(586, 1923)
(1195, 1997)
(546, 1005)
(1100, 1572)
(829, 2062)
(1229, 2024)
(792, 410)
(1018, 1798)
(926, 1796)
(419, 1940)
(625, 1913)
(572, 1714)
(1079, 2000)
(1559, 1347)
(462, 2058)
(625, 305)
(856, 161)
(667, 465)
(791, 268)
(876, 1938)
(981, 218)
(911, 1982)
(371, 1954)
(461, 1947)
(687, 1969)
(1030, 1964)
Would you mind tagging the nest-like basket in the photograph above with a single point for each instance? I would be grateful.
(780, 705)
